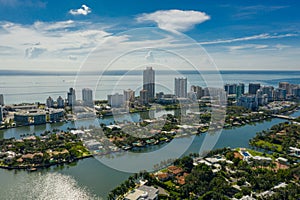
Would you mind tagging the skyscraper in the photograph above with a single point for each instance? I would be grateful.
(115, 100)
(198, 90)
(253, 87)
(149, 82)
(50, 102)
(180, 87)
(269, 91)
(286, 86)
(71, 97)
(1, 100)
(87, 96)
(1, 113)
(230, 88)
(128, 95)
(240, 90)
(144, 97)
(60, 102)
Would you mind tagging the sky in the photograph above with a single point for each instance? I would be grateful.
(125, 34)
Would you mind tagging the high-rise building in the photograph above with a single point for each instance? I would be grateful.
(1, 113)
(192, 95)
(198, 90)
(115, 100)
(230, 88)
(248, 101)
(71, 97)
(269, 91)
(149, 82)
(49, 102)
(285, 86)
(144, 100)
(129, 95)
(279, 94)
(87, 96)
(253, 87)
(261, 98)
(60, 102)
(296, 92)
(1, 100)
(181, 87)
(240, 90)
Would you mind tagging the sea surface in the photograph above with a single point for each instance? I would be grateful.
(93, 178)
(33, 87)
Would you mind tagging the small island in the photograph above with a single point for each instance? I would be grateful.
(32, 152)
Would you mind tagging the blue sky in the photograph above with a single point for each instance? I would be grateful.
(59, 35)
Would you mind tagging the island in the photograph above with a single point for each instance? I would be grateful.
(32, 152)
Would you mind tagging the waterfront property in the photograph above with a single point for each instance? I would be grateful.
(220, 175)
(41, 151)
(37, 116)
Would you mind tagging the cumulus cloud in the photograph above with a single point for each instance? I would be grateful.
(34, 52)
(175, 20)
(84, 10)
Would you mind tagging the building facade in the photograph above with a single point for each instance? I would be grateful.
(253, 87)
(115, 100)
(149, 82)
(198, 90)
(144, 97)
(129, 95)
(240, 90)
(71, 97)
(248, 101)
(180, 87)
(1, 113)
(87, 96)
(1, 100)
(60, 102)
(230, 88)
(50, 102)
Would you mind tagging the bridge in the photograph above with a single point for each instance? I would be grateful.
(284, 117)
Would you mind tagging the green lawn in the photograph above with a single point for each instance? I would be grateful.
(169, 183)
(269, 146)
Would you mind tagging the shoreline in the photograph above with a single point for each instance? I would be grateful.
(28, 167)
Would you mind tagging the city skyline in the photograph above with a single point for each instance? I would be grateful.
(59, 38)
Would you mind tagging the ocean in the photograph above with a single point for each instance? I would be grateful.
(21, 87)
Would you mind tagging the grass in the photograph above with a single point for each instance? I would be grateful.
(169, 183)
(165, 170)
(269, 146)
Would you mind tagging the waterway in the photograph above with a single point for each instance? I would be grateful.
(91, 178)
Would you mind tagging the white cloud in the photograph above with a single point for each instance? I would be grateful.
(71, 57)
(84, 10)
(33, 52)
(281, 46)
(150, 56)
(254, 37)
(175, 20)
(247, 46)
(54, 25)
